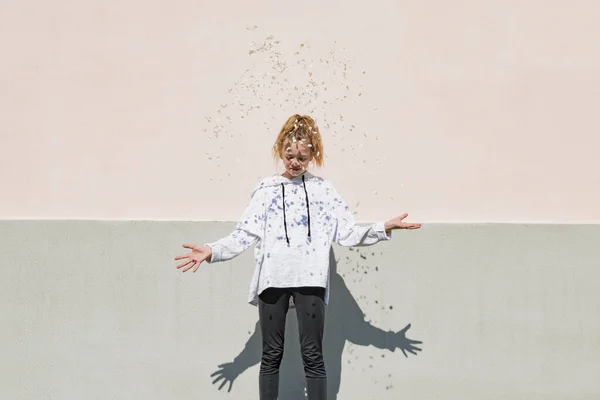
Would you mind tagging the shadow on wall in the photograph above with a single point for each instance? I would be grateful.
(344, 321)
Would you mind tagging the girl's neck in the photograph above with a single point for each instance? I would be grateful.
(291, 177)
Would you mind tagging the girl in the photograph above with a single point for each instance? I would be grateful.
(293, 218)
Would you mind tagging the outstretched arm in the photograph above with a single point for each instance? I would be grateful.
(349, 234)
(248, 231)
(225, 249)
(231, 246)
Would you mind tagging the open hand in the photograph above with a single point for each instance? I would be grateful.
(194, 258)
(398, 223)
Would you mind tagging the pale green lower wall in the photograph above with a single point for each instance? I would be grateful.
(97, 310)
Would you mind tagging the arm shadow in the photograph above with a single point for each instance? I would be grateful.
(355, 328)
(346, 322)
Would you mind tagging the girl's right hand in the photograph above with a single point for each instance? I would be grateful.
(194, 258)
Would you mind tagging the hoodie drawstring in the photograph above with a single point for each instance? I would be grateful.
(307, 205)
(287, 239)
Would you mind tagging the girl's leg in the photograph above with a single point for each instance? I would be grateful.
(273, 305)
(310, 308)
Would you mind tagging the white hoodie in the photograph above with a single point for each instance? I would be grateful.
(293, 239)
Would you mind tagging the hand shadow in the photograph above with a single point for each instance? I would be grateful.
(344, 321)
(405, 344)
(227, 373)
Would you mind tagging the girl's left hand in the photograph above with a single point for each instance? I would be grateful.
(193, 259)
(398, 223)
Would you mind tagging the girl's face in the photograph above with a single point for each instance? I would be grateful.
(296, 157)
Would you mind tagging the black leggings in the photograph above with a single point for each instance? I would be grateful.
(273, 306)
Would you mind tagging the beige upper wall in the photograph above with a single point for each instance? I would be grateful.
(482, 111)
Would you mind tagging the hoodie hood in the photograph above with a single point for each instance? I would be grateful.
(278, 180)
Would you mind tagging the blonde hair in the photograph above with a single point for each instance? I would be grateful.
(300, 128)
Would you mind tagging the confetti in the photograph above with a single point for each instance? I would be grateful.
(300, 80)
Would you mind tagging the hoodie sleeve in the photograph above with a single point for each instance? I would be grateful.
(247, 232)
(348, 233)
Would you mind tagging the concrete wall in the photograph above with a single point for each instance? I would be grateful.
(96, 310)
